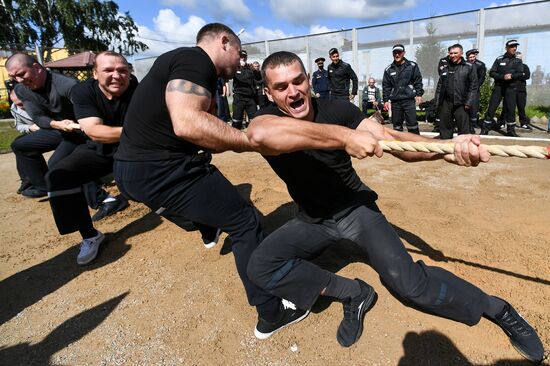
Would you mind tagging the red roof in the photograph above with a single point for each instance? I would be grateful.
(81, 60)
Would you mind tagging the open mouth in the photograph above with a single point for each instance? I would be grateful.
(297, 104)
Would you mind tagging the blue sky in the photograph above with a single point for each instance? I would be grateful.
(166, 24)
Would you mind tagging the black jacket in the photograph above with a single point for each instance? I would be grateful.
(244, 83)
(481, 70)
(506, 64)
(442, 64)
(464, 83)
(525, 75)
(339, 76)
(402, 81)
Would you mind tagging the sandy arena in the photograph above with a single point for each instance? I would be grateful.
(156, 296)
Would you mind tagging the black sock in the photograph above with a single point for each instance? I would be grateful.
(270, 310)
(88, 232)
(494, 307)
(342, 288)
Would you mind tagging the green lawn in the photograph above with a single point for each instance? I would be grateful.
(6, 137)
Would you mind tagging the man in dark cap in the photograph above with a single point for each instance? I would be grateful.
(339, 75)
(481, 71)
(506, 71)
(244, 93)
(402, 85)
(319, 81)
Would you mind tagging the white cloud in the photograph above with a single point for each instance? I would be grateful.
(169, 32)
(316, 29)
(312, 10)
(513, 2)
(262, 33)
(220, 9)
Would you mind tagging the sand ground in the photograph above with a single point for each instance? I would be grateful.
(156, 296)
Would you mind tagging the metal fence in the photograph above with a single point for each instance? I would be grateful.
(368, 49)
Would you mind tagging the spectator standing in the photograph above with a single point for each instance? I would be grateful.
(261, 99)
(244, 93)
(481, 71)
(340, 74)
(319, 80)
(222, 92)
(455, 94)
(505, 71)
(402, 89)
(521, 94)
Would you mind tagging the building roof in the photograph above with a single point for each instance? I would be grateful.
(83, 60)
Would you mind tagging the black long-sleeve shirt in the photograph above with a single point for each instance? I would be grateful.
(402, 81)
(51, 102)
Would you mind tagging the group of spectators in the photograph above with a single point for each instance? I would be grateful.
(457, 97)
(162, 157)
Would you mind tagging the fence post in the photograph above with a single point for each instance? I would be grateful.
(481, 34)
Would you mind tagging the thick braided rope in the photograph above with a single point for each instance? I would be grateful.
(538, 152)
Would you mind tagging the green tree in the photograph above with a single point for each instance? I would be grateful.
(428, 54)
(86, 24)
(485, 95)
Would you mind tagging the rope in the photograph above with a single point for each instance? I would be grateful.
(538, 152)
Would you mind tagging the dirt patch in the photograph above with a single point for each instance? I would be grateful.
(156, 296)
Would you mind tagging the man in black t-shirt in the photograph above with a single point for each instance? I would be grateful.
(308, 143)
(165, 150)
(100, 105)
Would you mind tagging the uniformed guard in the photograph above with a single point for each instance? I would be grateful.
(481, 71)
(319, 81)
(339, 75)
(505, 71)
(402, 85)
(244, 93)
(521, 94)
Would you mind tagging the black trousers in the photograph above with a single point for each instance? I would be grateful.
(193, 188)
(223, 108)
(369, 105)
(474, 111)
(28, 150)
(507, 93)
(452, 116)
(404, 110)
(240, 105)
(65, 186)
(281, 265)
(521, 100)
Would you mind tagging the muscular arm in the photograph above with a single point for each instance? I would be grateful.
(97, 131)
(274, 135)
(189, 105)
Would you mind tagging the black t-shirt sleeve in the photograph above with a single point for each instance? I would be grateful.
(192, 68)
(344, 113)
(84, 101)
(270, 110)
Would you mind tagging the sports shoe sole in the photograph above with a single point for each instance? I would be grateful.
(213, 243)
(261, 335)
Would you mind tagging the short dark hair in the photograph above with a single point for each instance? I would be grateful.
(110, 53)
(214, 29)
(23, 57)
(456, 45)
(281, 58)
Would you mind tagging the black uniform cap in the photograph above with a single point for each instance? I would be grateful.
(332, 51)
(319, 59)
(473, 50)
(398, 47)
(512, 43)
(243, 53)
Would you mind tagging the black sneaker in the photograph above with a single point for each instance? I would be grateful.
(351, 327)
(34, 193)
(109, 208)
(526, 127)
(289, 315)
(522, 335)
(24, 185)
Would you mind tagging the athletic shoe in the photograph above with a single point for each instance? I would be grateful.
(526, 127)
(289, 315)
(89, 248)
(34, 193)
(522, 335)
(210, 241)
(109, 208)
(351, 326)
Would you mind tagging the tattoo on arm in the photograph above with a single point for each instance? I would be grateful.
(187, 87)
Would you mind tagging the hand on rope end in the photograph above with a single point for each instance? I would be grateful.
(468, 151)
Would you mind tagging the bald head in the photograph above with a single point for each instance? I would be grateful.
(26, 70)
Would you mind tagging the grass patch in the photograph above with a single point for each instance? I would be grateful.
(6, 138)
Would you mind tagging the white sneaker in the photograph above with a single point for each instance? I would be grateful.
(88, 249)
(211, 242)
